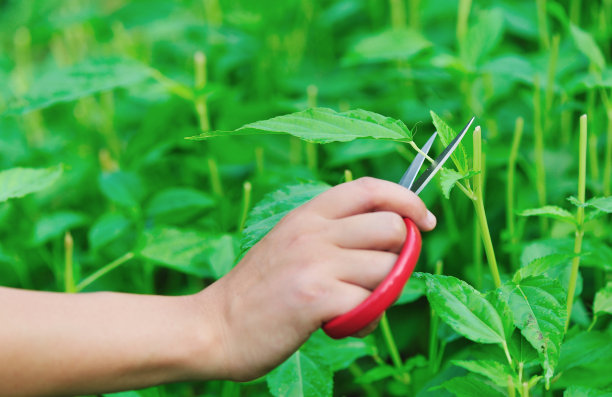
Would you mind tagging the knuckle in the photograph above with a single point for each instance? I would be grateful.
(395, 227)
(309, 289)
(369, 191)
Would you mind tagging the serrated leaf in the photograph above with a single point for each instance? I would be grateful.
(581, 391)
(448, 178)
(413, 290)
(601, 203)
(494, 370)
(106, 229)
(274, 206)
(18, 182)
(77, 81)
(389, 45)
(496, 299)
(339, 354)
(542, 265)
(585, 349)
(587, 45)
(186, 251)
(377, 373)
(324, 125)
(464, 309)
(470, 386)
(603, 300)
(538, 306)
(447, 134)
(54, 225)
(301, 375)
(222, 254)
(551, 211)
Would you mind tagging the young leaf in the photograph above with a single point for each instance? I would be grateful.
(183, 250)
(273, 207)
(542, 265)
(449, 177)
(603, 300)
(106, 229)
(464, 309)
(338, 354)
(77, 81)
(494, 370)
(17, 182)
(470, 386)
(377, 373)
(123, 188)
(302, 374)
(54, 225)
(389, 45)
(587, 45)
(550, 211)
(175, 202)
(324, 125)
(446, 135)
(538, 306)
(601, 203)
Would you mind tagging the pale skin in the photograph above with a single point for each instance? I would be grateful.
(320, 261)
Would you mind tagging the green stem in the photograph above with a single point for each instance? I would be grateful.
(200, 83)
(582, 150)
(68, 264)
(433, 330)
(607, 176)
(463, 14)
(539, 153)
(102, 271)
(593, 322)
(510, 218)
(511, 389)
(478, 254)
(525, 390)
(246, 203)
(575, 6)
(550, 84)
(415, 21)
(542, 24)
(174, 87)
(259, 160)
(215, 177)
(592, 152)
(348, 175)
(478, 202)
(398, 14)
(390, 342)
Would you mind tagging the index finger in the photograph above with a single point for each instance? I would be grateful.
(368, 195)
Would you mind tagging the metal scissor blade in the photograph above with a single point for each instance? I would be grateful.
(440, 160)
(412, 171)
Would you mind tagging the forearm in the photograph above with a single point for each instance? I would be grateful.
(61, 344)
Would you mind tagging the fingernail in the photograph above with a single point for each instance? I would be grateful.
(430, 220)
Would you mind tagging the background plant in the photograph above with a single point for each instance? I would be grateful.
(100, 190)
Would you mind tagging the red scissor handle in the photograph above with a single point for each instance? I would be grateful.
(384, 295)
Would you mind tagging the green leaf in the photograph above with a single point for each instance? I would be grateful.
(54, 225)
(186, 251)
(222, 254)
(449, 177)
(470, 386)
(377, 373)
(413, 290)
(338, 354)
(77, 81)
(482, 37)
(18, 182)
(301, 375)
(601, 203)
(447, 134)
(123, 188)
(587, 45)
(178, 202)
(538, 306)
(551, 211)
(603, 300)
(106, 229)
(324, 125)
(274, 206)
(542, 265)
(491, 369)
(581, 391)
(389, 45)
(464, 309)
(585, 349)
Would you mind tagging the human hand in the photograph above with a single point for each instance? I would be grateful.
(320, 261)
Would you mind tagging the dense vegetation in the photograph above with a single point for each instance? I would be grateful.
(100, 190)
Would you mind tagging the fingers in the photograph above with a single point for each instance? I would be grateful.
(368, 195)
(370, 231)
(346, 297)
(365, 269)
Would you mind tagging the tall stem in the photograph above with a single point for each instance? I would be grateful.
(542, 24)
(102, 271)
(398, 14)
(246, 203)
(200, 83)
(582, 153)
(69, 264)
(433, 331)
(516, 142)
(390, 342)
(608, 157)
(215, 177)
(478, 202)
(463, 15)
(539, 153)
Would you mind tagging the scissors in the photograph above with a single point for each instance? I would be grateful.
(389, 289)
